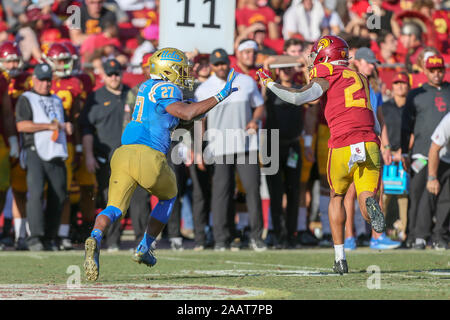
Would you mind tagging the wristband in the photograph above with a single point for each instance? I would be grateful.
(307, 141)
(431, 178)
(387, 147)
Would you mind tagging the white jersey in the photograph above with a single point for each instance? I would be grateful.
(441, 137)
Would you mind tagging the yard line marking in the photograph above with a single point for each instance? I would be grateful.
(276, 265)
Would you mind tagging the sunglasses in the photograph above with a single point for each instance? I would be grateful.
(117, 74)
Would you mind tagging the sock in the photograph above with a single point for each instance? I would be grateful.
(63, 231)
(323, 208)
(97, 235)
(301, 221)
(339, 252)
(17, 224)
(20, 228)
(146, 243)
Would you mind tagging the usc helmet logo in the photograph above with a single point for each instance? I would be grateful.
(323, 43)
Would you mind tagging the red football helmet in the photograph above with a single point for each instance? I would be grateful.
(74, 52)
(60, 59)
(10, 52)
(331, 49)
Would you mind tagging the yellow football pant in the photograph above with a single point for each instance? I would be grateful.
(366, 175)
(139, 164)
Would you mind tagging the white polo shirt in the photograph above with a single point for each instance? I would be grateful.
(226, 122)
(441, 137)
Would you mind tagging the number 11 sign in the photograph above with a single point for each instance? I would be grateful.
(204, 25)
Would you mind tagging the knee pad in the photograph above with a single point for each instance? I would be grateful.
(112, 213)
(163, 210)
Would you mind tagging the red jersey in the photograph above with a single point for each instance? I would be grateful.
(17, 86)
(247, 17)
(347, 107)
(68, 89)
(441, 19)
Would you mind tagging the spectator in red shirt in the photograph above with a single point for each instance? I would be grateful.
(359, 7)
(440, 18)
(107, 42)
(250, 13)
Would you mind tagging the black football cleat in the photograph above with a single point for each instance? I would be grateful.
(376, 215)
(340, 267)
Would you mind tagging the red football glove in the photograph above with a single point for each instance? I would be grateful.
(264, 76)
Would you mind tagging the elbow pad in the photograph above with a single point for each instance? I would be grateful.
(297, 98)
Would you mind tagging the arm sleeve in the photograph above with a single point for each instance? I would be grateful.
(23, 109)
(297, 98)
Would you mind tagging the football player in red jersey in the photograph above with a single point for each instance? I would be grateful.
(354, 153)
(18, 81)
(8, 141)
(70, 90)
(84, 179)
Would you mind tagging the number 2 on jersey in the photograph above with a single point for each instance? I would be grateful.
(139, 106)
(360, 82)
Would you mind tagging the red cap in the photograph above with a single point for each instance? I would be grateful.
(400, 77)
(146, 59)
(435, 61)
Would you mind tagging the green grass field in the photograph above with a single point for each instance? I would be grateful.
(206, 275)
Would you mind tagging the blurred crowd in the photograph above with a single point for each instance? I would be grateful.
(396, 44)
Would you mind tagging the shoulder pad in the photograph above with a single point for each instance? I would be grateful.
(164, 90)
(321, 70)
